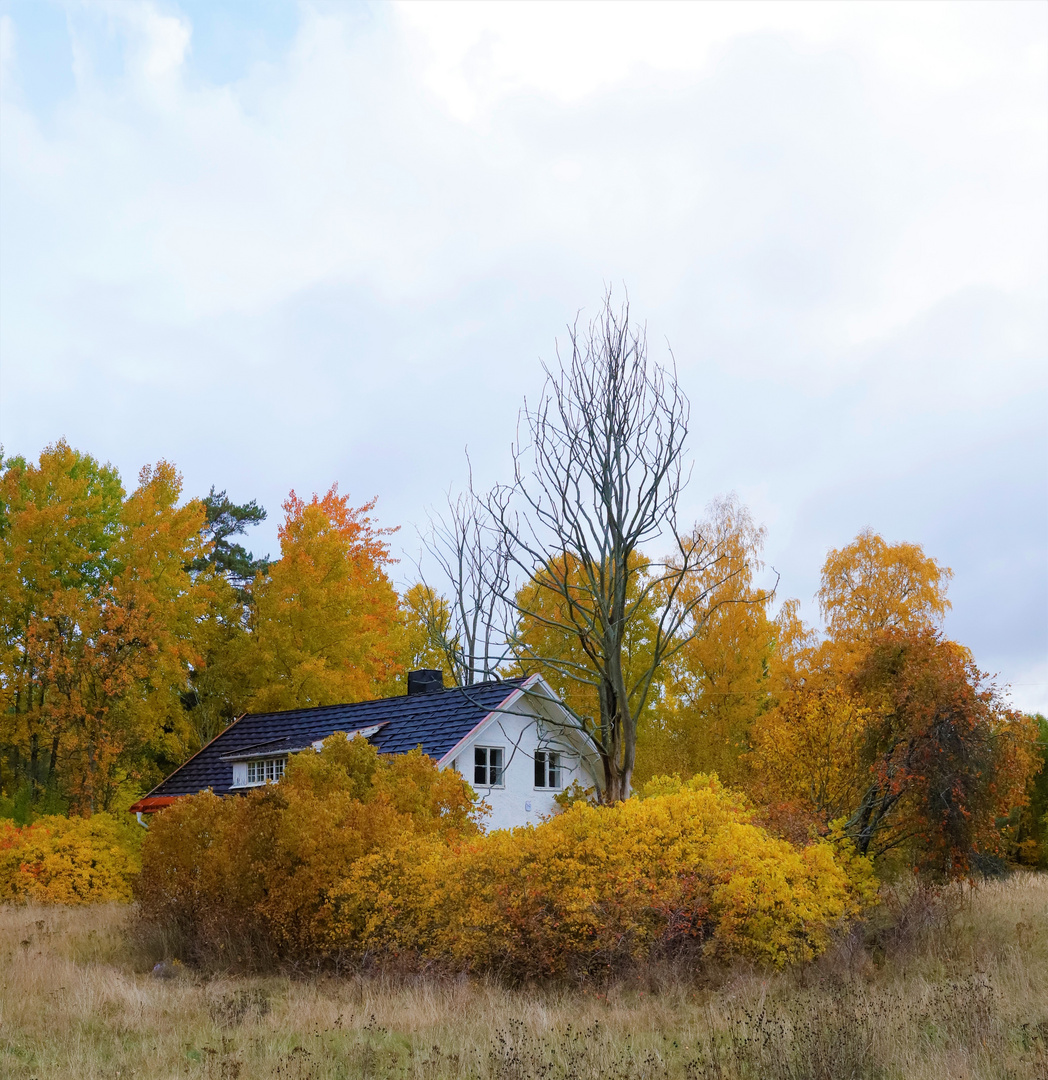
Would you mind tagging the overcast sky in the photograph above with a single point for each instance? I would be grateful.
(287, 244)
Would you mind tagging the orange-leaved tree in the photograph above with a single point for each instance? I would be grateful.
(100, 617)
(890, 728)
(810, 751)
(326, 626)
(946, 757)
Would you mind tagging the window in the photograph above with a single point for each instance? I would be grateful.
(487, 766)
(547, 769)
(258, 772)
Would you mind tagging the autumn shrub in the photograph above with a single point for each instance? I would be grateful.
(683, 868)
(58, 860)
(352, 855)
(256, 875)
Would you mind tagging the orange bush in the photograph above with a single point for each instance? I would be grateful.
(259, 870)
(59, 860)
(352, 855)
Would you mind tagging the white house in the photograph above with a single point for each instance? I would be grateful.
(513, 740)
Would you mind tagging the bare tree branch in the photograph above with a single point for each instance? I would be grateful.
(599, 468)
(472, 631)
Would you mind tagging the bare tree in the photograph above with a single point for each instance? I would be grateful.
(470, 628)
(601, 474)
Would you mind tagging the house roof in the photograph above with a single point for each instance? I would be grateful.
(436, 722)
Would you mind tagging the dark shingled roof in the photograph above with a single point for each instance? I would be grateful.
(435, 721)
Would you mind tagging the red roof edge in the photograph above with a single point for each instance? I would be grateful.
(151, 803)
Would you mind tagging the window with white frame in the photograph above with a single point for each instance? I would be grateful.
(547, 769)
(487, 766)
(265, 769)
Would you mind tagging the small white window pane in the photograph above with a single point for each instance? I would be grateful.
(480, 766)
(495, 766)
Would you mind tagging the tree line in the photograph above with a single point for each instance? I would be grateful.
(136, 626)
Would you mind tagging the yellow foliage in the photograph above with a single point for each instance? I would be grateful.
(558, 631)
(59, 860)
(715, 687)
(683, 866)
(809, 749)
(100, 617)
(261, 867)
(326, 625)
(353, 854)
(428, 638)
(869, 586)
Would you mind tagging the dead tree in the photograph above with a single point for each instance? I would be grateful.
(470, 626)
(598, 474)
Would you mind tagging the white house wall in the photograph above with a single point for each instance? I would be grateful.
(520, 733)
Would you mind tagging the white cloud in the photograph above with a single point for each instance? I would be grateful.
(339, 164)
(473, 55)
(346, 262)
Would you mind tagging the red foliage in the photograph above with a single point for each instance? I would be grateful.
(947, 757)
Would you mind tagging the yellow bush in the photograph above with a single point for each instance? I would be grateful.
(59, 860)
(259, 869)
(684, 866)
(352, 854)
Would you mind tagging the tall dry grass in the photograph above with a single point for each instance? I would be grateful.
(955, 987)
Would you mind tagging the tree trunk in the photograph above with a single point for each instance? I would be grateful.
(34, 754)
(91, 776)
(616, 744)
(52, 762)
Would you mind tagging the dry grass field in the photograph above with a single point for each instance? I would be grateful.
(956, 990)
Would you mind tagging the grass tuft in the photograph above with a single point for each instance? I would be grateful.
(938, 983)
